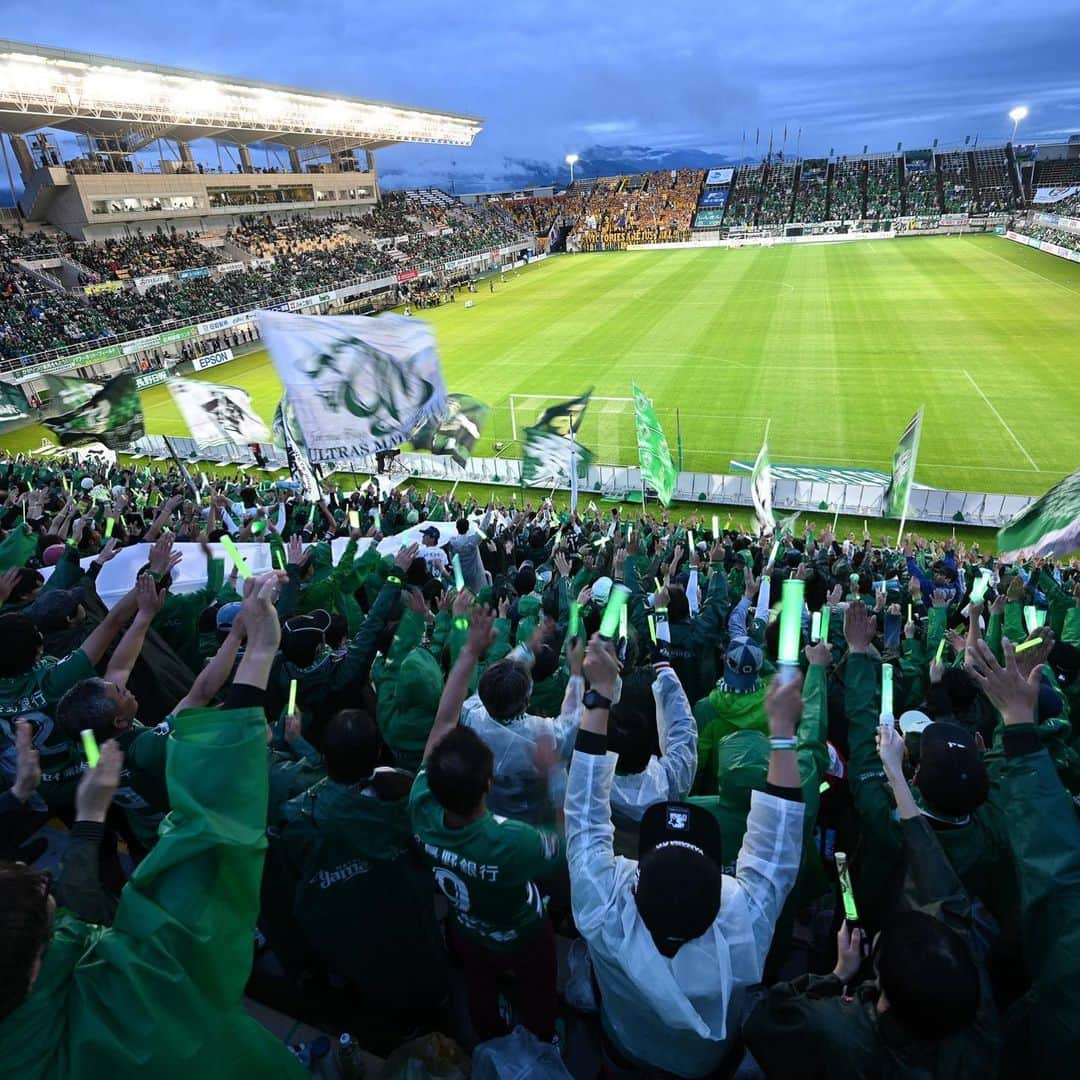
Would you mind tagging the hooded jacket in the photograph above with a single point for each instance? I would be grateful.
(180, 945)
(673, 1013)
(722, 713)
(351, 889)
(811, 1028)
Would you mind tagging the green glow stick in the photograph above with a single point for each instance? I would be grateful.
(815, 626)
(940, 651)
(1029, 644)
(1040, 617)
(629, 532)
(791, 607)
(823, 787)
(311, 515)
(278, 557)
(826, 612)
(978, 589)
(354, 519)
(1029, 617)
(574, 628)
(690, 539)
(659, 585)
(292, 696)
(652, 628)
(459, 577)
(378, 521)
(851, 912)
(886, 690)
(716, 526)
(90, 748)
(110, 524)
(238, 560)
(624, 616)
(909, 613)
(617, 598)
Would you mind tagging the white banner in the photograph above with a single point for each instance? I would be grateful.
(149, 281)
(225, 322)
(189, 575)
(214, 359)
(357, 385)
(228, 268)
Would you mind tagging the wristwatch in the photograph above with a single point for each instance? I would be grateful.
(594, 700)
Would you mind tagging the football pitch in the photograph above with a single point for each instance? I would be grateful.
(828, 349)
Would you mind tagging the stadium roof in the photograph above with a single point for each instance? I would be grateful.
(99, 95)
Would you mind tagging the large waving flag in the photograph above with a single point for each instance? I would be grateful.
(456, 431)
(287, 436)
(112, 417)
(903, 470)
(1050, 526)
(357, 385)
(70, 393)
(761, 490)
(552, 455)
(13, 404)
(217, 414)
(654, 455)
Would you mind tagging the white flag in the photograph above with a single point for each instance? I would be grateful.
(761, 490)
(217, 414)
(356, 384)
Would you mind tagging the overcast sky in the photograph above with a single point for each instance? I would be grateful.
(555, 77)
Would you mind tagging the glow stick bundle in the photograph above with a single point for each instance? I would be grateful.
(609, 625)
(791, 608)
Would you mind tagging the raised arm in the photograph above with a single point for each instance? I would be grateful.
(147, 603)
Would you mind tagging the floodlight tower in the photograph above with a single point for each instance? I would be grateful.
(1016, 115)
(572, 160)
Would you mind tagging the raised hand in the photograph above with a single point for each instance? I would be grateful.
(481, 632)
(783, 706)
(95, 792)
(601, 665)
(1004, 684)
(860, 626)
(27, 763)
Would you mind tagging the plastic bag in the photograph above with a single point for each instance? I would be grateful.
(518, 1056)
(431, 1057)
(579, 992)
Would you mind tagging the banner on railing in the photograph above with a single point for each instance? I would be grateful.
(719, 176)
(148, 281)
(197, 272)
(214, 359)
(150, 378)
(716, 199)
(228, 268)
(103, 287)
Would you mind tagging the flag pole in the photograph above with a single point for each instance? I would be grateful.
(573, 472)
(678, 439)
(183, 470)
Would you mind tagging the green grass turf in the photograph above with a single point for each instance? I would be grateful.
(830, 347)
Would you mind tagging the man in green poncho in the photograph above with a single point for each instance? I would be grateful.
(180, 945)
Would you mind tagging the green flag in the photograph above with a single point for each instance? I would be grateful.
(456, 432)
(1050, 526)
(657, 468)
(13, 405)
(113, 417)
(551, 457)
(897, 493)
(69, 394)
(761, 490)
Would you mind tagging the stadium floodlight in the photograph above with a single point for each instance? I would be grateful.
(572, 160)
(60, 88)
(1016, 115)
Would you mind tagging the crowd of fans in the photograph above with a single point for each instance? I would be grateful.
(1061, 237)
(163, 251)
(882, 189)
(846, 194)
(811, 196)
(958, 195)
(309, 255)
(358, 791)
(655, 207)
(776, 193)
(994, 180)
(920, 192)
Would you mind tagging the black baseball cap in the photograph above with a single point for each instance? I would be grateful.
(680, 881)
(430, 531)
(952, 775)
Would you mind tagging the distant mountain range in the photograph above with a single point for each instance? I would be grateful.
(513, 173)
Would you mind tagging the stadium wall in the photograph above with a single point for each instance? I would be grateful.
(1044, 245)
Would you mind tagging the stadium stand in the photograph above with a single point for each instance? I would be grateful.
(848, 187)
(655, 207)
(955, 177)
(811, 194)
(995, 182)
(777, 191)
(745, 195)
(1061, 237)
(883, 199)
(159, 252)
(920, 183)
